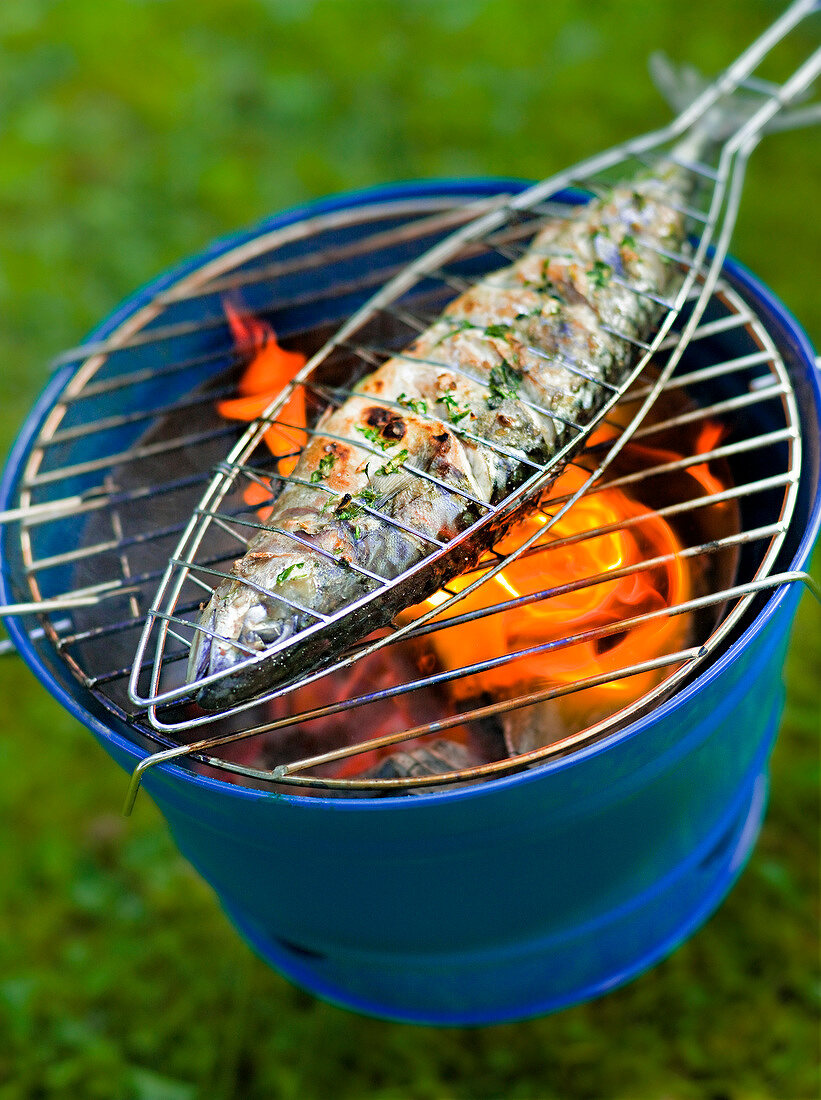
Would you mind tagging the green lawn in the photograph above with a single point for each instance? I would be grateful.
(131, 134)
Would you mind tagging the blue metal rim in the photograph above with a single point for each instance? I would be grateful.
(763, 298)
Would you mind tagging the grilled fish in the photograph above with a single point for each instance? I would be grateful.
(457, 419)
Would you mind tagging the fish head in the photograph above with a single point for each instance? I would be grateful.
(237, 623)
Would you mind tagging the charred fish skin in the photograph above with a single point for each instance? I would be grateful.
(455, 421)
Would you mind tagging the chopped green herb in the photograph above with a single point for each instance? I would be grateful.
(502, 332)
(546, 286)
(628, 241)
(503, 383)
(412, 403)
(350, 506)
(349, 510)
(639, 200)
(391, 466)
(324, 468)
(455, 413)
(373, 436)
(597, 231)
(288, 570)
(600, 274)
(357, 531)
(499, 331)
(457, 324)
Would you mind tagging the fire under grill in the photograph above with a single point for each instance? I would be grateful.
(133, 437)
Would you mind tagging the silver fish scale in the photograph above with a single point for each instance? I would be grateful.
(614, 356)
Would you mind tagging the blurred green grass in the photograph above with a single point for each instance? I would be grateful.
(131, 134)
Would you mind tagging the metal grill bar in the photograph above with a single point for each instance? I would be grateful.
(111, 545)
(728, 451)
(368, 244)
(737, 491)
(49, 477)
(231, 354)
(739, 318)
(719, 370)
(717, 409)
(515, 604)
(78, 597)
(125, 420)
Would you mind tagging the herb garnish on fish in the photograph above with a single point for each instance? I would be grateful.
(504, 383)
(324, 468)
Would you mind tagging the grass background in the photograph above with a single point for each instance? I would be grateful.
(131, 134)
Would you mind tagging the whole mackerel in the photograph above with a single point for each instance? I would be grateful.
(514, 361)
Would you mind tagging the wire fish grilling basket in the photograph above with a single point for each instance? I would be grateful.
(113, 480)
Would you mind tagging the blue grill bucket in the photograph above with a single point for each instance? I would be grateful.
(512, 897)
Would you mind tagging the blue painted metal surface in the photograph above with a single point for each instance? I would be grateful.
(526, 893)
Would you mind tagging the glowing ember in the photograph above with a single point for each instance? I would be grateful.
(374, 674)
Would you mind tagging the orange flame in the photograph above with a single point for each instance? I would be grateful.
(710, 436)
(270, 369)
(563, 554)
(624, 586)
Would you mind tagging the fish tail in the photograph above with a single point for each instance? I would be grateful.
(681, 84)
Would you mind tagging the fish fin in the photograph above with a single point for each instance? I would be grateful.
(681, 84)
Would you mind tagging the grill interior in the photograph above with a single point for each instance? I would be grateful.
(132, 439)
